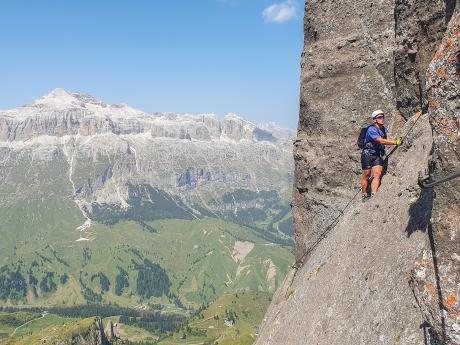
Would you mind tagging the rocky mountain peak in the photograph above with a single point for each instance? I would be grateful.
(235, 117)
(59, 98)
(61, 113)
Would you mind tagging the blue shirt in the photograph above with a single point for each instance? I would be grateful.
(372, 134)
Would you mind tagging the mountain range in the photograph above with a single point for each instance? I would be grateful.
(98, 201)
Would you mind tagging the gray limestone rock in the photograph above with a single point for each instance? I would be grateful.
(335, 100)
(358, 285)
(436, 277)
(353, 289)
(109, 330)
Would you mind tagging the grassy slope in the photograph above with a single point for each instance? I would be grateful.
(38, 208)
(249, 308)
(52, 330)
(54, 324)
(197, 256)
(38, 224)
(9, 321)
(42, 323)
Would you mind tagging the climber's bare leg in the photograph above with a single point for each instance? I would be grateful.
(365, 180)
(376, 177)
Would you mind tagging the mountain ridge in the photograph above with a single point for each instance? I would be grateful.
(65, 110)
(82, 183)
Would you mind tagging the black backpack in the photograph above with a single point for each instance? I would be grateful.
(362, 134)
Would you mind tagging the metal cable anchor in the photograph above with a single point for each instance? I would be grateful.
(428, 181)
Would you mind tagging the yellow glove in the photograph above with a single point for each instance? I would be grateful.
(399, 142)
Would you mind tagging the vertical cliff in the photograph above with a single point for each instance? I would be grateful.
(436, 277)
(358, 285)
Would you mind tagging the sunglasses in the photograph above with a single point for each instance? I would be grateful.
(380, 117)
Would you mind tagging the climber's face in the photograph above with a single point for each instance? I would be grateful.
(379, 119)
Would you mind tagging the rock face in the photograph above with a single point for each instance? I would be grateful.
(336, 94)
(437, 275)
(109, 330)
(358, 285)
(95, 335)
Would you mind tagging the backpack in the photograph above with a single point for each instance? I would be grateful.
(362, 135)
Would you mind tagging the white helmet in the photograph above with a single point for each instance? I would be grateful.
(377, 113)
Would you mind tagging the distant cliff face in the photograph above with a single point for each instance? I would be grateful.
(73, 167)
(61, 113)
(358, 285)
(114, 158)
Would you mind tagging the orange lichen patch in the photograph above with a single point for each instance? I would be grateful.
(451, 133)
(451, 300)
(444, 122)
(450, 44)
(442, 73)
(431, 289)
(433, 104)
(452, 41)
(450, 304)
(425, 262)
(438, 55)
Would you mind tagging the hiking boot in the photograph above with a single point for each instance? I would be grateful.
(365, 197)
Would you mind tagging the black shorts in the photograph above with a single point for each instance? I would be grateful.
(369, 160)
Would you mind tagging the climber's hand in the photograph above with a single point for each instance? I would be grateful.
(399, 142)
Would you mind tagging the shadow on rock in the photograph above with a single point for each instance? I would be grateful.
(420, 212)
(429, 335)
(419, 219)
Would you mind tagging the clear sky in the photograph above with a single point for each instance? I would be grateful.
(183, 56)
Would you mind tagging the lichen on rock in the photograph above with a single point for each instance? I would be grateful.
(436, 277)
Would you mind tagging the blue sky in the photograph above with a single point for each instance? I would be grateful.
(184, 56)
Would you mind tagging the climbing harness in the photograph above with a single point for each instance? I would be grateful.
(298, 264)
(428, 181)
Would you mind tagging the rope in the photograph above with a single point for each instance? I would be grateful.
(323, 235)
(298, 264)
(405, 136)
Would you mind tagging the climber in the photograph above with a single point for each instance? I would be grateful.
(374, 138)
